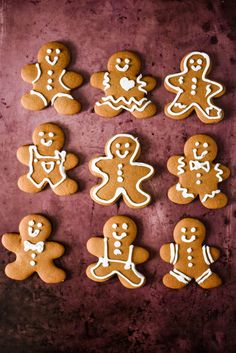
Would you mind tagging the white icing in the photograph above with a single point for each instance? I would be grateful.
(180, 166)
(197, 143)
(196, 165)
(58, 51)
(51, 134)
(189, 257)
(183, 229)
(49, 87)
(198, 182)
(38, 247)
(127, 84)
(208, 90)
(106, 81)
(194, 86)
(127, 61)
(189, 250)
(205, 144)
(220, 172)
(186, 240)
(193, 93)
(204, 276)
(120, 179)
(137, 104)
(114, 226)
(61, 82)
(32, 263)
(122, 155)
(48, 166)
(49, 80)
(173, 253)
(197, 156)
(180, 105)
(58, 156)
(41, 133)
(125, 226)
(50, 72)
(211, 195)
(50, 62)
(190, 264)
(33, 255)
(181, 80)
(117, 252)
(38, 73)
(33, 232)
(195, 104)
(31, 223)
(122, 69)
(121, 190)
(60, 95)
(184, 191)
(119, 237)
(117, 244)
(46, 143)
(194, 79)
(49, 51)
(118, 60)
(141, 84)
(180, 276)
(207, 255)
(198, 175)
(193, 229)
(40, 95)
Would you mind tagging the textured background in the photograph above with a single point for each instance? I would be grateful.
(81, 316)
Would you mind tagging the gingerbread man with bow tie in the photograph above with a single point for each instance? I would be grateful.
(33, 252)
(198, 175)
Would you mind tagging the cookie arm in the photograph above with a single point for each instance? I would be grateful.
(150, 81)
(72, 79)
(165, 252)
(23, 154)
(71, 161)
(175, 164)
(215, 86)
(29, 72)
(96, 80)
(11, 241)
(95, 246)
(54, 249)
(140, 255)
(215, 253)
(226, 172)
(172, 81)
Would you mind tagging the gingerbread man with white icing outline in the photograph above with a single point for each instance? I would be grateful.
(190, 258)
(51, 82)
(194, 91)
(47, 163)
(117, 255)
(33, 252)
(197, 173)
(121, 174)
(125, 88)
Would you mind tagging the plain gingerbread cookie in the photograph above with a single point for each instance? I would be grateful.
(121, 174)
(191, 259)
(194, 91)
(33, 252)
(124, 86)
(47, 163)
(117, 254)
(198, 175)
(51, 82)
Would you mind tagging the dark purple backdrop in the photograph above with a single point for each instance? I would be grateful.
(81, 316)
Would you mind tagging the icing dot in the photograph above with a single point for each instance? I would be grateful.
(41, 133)
(117, 145)
(119, 172)
(58, 162)
(189, 250)
(50, 72)
(193, 229)
(114, 226)
(32, 263)
(193, 86)
(117, 244)
(49, 51)
(197, 144)
(125, 226)
(50, 134)
(183, 229)
(191, 61)
(198, 182)
(198, 175)
(49, 80)
(31, 223)
(194, 79)
(127, 61)
(39, 225)
(117, 252)
(35, 160)
(58, 51)
(49, 87)
(124, 234)
(118, 60)
(189, 257)
(205, 144)
(190, 264)
(127, 145)
(33, 255)
(199, 61)
(193, 93)
(120, 165)
(120, 179)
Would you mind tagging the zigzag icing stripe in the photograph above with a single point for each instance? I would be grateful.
(180, 166)
(184, 191)
(110, 100)
(210, 196)
(220, 172)
(208, 90)
(106, 81)
(204, 276)
(141, 84)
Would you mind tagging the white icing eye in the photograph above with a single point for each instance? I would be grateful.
(127, 145)
(31, 223)
(197, 144)
(183, 230)
(58, 51)
(39, 225)
(199, 61)
(125, 226)
(41, 133)
(50, 134)
(193, 229)
(127, 61)
(49, 51)
(191, 61)
(205, 144)
(117, 145)
(118, 60)
(114, 226)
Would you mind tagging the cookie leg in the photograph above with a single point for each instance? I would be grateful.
(180, 195)
(32, 102)
(18, 270)
(106, 193)
(212, 281)
(98, 273)
(49, 273)
(67, 106)
(131, 280)
(178, 109)
(209, 114)
(106, 111)
(172, 282)
(214, 200)
(67, 187)
(133, 198)
(147, 113)
(26, 185)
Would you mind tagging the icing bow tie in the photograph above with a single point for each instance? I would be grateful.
(196, 165)
(39, 247)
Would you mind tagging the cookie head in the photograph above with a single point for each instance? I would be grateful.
(196, 62)
(189, 231)
(35, 228)
(55, 55)
(120, 228)
(48, 137)
(124, 62)
(200, 147)
(123, 146)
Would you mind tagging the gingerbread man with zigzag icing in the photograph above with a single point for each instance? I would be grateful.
(197, 173)
(194, 91)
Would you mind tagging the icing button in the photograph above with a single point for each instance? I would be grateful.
(189, 257)
(120, 179)
(32, 263)
(198, 182)
(189, 250)
(190, 264)
(117, 244)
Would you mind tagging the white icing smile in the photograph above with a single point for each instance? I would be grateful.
(33, 233)
(119, 237)
(50, 62)
(196, 68)
(122, 155)
(122, 68)
(186, 240)
(46, 143)
(197, 156)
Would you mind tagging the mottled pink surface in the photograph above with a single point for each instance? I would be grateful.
(80, 315)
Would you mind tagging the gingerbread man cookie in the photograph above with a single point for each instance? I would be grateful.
(124, 87)
(47, 163)
(121, 174)
(197, 173)
(194, 91)
(51, 82)
(190, 258)
(116, 253)
(33, 252)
